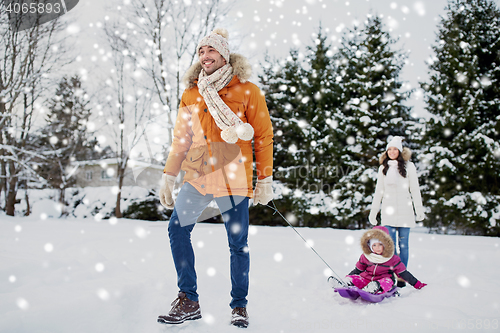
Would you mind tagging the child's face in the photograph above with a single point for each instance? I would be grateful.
(377, 248)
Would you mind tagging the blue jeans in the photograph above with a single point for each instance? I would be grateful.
(234, 211)
(403, 242)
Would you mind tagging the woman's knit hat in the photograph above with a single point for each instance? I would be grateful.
(397, 142)
(218, 40)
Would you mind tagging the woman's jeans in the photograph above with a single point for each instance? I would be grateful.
(403, 242)
(234, 209)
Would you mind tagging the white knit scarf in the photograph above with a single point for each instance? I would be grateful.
(392, 173)
(209, 87)
(376, 258)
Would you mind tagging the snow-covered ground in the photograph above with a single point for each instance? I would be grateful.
(83, 275)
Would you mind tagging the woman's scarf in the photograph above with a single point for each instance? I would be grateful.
(392, 176)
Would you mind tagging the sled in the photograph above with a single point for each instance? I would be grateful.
(354, 293)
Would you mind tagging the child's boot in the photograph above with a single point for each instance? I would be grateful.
(372, 287)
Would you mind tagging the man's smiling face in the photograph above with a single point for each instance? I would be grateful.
(210, 59)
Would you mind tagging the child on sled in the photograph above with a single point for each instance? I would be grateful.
(378, 266)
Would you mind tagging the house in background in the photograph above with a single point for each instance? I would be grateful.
(97, 173)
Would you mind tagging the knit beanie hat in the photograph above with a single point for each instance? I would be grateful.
(376, 240)
(397, 142)
(218, 40)
(373, 241)
(379, 227)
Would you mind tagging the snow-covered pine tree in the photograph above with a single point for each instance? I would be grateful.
(65, 138)
(300, 99)
(367, 70)
(323, 100)
(282, 82)
(463, 137)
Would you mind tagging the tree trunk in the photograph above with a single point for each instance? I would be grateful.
(121, 175)
(3, 180)
(12, 191)
(27, 199)
(3, 169)
(62, 200)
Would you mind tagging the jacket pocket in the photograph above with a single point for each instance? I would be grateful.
(195, 162)
(223, 153)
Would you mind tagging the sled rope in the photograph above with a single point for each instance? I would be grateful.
(338, 278)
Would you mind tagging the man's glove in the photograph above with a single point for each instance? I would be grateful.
(263, 191)
(166, 189)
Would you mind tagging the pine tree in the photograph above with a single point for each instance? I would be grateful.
(300, 101)
(372, 95)
(65, 138)
(462, 139)
(282, 83)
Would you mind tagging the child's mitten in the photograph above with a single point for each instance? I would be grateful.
(420, 285)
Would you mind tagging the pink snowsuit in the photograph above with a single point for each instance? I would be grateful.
(367, 271)
(387, 267)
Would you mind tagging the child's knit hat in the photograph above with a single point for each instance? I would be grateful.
(373, 241)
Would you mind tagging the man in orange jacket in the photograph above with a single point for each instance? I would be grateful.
(220, 113)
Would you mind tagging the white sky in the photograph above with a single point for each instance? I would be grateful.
(279, 25)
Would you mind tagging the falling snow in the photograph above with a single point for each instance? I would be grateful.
(92, 273)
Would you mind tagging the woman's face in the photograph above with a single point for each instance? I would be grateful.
(393, 153)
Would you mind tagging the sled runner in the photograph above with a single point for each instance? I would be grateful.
(354, 293)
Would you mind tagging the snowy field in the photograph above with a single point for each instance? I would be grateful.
(82, 275)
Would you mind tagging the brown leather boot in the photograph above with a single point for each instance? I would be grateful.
(182, 309)
(239, 317)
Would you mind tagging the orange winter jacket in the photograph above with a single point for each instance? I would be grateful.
(211, 165)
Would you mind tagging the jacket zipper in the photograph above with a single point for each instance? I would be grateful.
(374, 270)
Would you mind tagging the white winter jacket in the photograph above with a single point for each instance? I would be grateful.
(400, 197)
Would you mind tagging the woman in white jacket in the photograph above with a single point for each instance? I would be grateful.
(398, 191)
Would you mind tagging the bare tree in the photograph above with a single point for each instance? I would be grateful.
(26, 59)
(162, 35)
(129, 104)
(151, 43)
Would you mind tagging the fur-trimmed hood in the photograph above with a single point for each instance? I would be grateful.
(406, 155)
(241, 68)
(383, 237)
